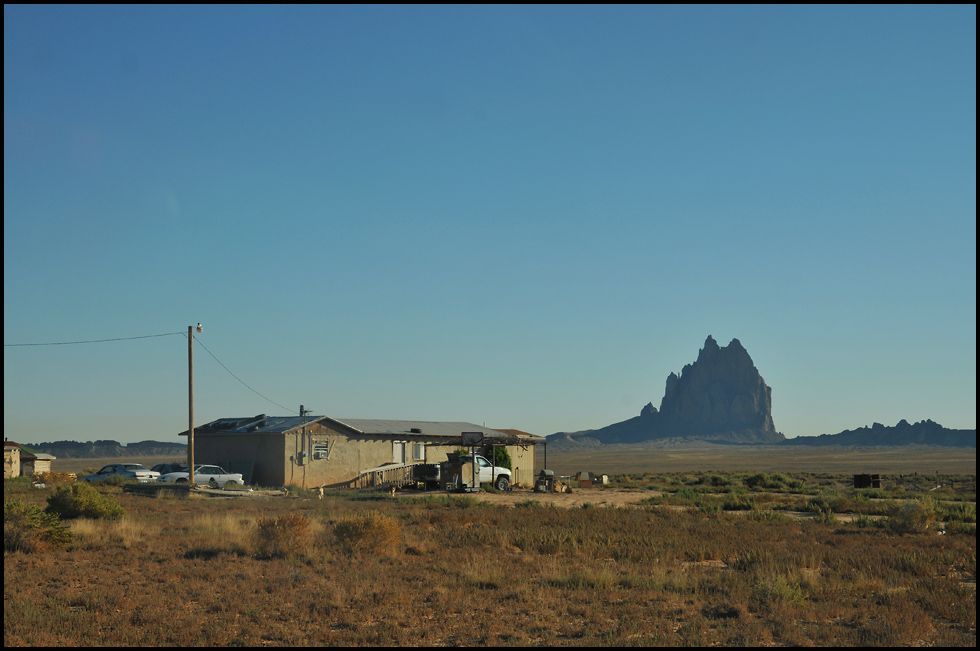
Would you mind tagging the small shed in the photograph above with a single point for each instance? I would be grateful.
(21, 461)
(867, 481)
(35, 463)
(11, 459)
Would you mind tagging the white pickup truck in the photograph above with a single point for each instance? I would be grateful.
(497, 476)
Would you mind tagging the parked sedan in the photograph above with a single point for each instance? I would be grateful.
(135, 471)
(213, 476)
(164, 468)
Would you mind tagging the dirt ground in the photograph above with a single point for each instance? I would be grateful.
(618, 497)
(578, 497)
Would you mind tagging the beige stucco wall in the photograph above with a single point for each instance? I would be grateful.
(11, 462)
(348, 455)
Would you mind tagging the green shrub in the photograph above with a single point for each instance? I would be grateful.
(775, 482)
(865, 522)
(913, 516)
(963, 528)
(714, 480)
(739, 503)
(114, 480)
(707, 505)
(27, 528)
(456, 501)
(685, 495)
(777, 590)
(79, 500)
(281, 537)
(527, 504)
(373, 533)
(823, 507)
(18, 485)
(498, 456)
(957, 512)
(765, 515)
(759, 480)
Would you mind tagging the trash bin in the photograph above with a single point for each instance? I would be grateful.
(545, 482)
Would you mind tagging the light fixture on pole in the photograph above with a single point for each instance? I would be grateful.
(190, 402)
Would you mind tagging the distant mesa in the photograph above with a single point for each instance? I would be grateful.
(105, 448)
(924, 432)
(720, 398)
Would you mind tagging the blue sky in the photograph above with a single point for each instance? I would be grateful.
(521, 216)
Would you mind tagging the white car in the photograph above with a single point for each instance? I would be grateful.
(213, 476)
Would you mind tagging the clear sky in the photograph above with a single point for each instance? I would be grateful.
(524, 216)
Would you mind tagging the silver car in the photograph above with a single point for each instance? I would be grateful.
(213, 476)
(134, 471)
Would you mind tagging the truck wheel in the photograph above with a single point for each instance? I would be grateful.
(503, 483)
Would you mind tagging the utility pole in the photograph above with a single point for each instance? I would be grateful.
(190, 402)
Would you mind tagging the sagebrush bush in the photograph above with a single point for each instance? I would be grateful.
(282, 537)
(114, 480)
(27, 528)
(53, 479)
(373, 533)
(715, 480)
(913, 516)
(79, 500)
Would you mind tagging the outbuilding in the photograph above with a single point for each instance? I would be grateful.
(11, 459)
(21, 461)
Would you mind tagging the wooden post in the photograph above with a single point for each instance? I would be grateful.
(190, 406)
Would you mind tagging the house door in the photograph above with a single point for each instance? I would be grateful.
(398, 452)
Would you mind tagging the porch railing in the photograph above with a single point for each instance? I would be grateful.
(390, 476)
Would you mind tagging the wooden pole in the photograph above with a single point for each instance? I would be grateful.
(190, 405)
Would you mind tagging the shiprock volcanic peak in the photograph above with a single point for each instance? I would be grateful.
(719, 398)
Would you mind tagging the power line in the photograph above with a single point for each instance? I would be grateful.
(238, 378)
(96, 341)
(165, 334)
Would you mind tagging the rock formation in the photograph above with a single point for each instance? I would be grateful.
(720, 397)
(924, 432)
(721, 393)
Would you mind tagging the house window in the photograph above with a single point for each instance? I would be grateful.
(418, 451)
(321, 451)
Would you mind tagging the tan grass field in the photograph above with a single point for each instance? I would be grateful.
(618, 459)
(369, 569)
(654, 560)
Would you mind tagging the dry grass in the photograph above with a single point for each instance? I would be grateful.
(613, 459)
(372, 533)
(193, 572)
(282, 536)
